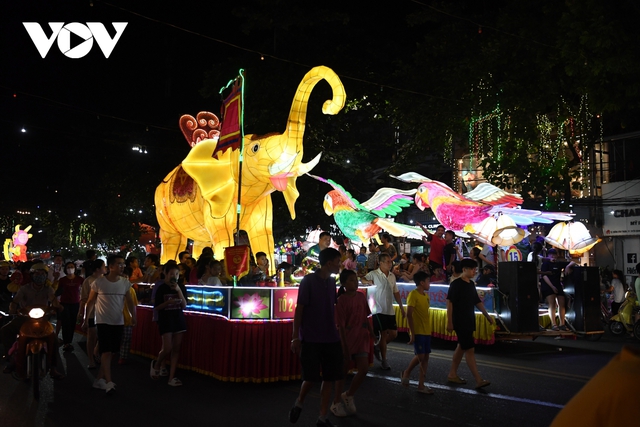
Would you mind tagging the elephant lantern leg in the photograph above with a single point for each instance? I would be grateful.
(172, 244)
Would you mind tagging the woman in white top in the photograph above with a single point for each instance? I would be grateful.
(618, 291)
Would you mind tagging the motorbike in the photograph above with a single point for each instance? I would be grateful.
(625, 320)
(36, 329)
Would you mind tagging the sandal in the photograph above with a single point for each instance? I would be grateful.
(482, 384)
(425, 390)
(404, 381)
(164, 372)
(555, 328)
(153, 373)
(456, 380)
(175, 382)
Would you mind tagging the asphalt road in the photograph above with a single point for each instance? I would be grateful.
(531, 381)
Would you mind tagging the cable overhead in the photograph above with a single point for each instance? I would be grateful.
(277, 58)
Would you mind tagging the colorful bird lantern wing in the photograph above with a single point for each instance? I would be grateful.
(411, 177)
(271, 162)
(398, 229)
(492, 195)
(389, 201)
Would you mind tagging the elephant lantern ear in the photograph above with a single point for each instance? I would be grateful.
(215, 177)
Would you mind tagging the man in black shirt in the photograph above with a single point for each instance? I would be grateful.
(450, 251)
(462, 300)
(87, 266)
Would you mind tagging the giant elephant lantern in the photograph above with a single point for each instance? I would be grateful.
(197, 200)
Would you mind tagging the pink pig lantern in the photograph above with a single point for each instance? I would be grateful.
(16, 247)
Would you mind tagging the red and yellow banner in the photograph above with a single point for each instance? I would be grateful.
(236, 260)
(231, 117)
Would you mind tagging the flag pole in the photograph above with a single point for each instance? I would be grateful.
(239, 80)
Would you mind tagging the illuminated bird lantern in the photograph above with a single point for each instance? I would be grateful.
(571, 236)
(16, 247)
(466, 212)
(502, 231)
(215, 191)
(362, 221)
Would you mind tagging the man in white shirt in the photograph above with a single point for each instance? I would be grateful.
(108, 296)
(384, 321)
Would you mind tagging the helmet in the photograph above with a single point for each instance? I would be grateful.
(40, 266)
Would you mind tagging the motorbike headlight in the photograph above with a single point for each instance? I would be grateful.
(36, 313)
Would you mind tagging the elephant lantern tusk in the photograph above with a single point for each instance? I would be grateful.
(306, 167)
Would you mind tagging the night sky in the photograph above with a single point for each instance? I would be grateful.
(82, 116)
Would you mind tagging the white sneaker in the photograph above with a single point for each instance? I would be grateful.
(110, 387)
(349, 403)
(338, 409)
(100, 384)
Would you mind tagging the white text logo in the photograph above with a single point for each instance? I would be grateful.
(62, 32)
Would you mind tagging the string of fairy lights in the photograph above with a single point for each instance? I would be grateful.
(490, 131)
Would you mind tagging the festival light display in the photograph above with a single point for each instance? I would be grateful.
(466, 212)
(362, 221)
(16, 248)
(571, 236)
(198, 200)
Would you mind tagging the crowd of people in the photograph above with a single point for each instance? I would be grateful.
(102, 298)
(332, 332)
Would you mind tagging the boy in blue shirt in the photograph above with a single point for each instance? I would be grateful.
(361, 259)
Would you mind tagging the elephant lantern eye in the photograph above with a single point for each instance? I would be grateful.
(327, 198)
(255, 148)
(421, 190)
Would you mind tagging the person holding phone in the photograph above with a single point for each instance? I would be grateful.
(169, 302)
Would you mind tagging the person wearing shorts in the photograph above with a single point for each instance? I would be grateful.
(462, 300)
(108, 295)
(315, 335)
(384, 321)
(418, 304)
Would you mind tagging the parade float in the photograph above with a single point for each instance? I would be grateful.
(224, 185)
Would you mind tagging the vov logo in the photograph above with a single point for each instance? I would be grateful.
(62, 32)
